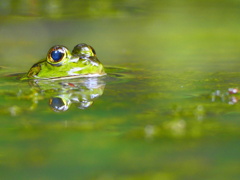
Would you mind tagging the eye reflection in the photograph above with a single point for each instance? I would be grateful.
(58, 104)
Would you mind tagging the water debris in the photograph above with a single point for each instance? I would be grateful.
(231, 96)
(150, 131)
(14, 110)
(177, 127)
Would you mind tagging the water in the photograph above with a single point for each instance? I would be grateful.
(164, 112)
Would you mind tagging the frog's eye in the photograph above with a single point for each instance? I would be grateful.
(93, 50)
(84, 49)
(57, 54)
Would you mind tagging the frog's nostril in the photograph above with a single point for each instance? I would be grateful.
(56, 55)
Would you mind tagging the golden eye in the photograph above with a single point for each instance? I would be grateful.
(93, 50)
(56, 54)
(83, 49)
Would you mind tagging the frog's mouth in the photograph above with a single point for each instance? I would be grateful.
(73, 76)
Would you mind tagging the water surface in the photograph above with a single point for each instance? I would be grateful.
(167, 115)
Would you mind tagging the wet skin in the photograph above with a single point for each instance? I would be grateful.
(61, 63)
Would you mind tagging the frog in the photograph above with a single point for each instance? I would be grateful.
(60, 63)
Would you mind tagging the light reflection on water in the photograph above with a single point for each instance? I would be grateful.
(164, 118)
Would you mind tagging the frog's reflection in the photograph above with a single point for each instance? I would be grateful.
(81, 92)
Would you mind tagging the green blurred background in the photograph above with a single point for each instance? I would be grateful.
(159, 121)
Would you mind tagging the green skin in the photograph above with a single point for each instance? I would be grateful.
(82, 62)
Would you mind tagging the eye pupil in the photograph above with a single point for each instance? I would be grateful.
(56, 55)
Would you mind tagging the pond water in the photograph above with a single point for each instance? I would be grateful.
(166, 110)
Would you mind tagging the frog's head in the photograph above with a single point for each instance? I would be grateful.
(61, 63)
